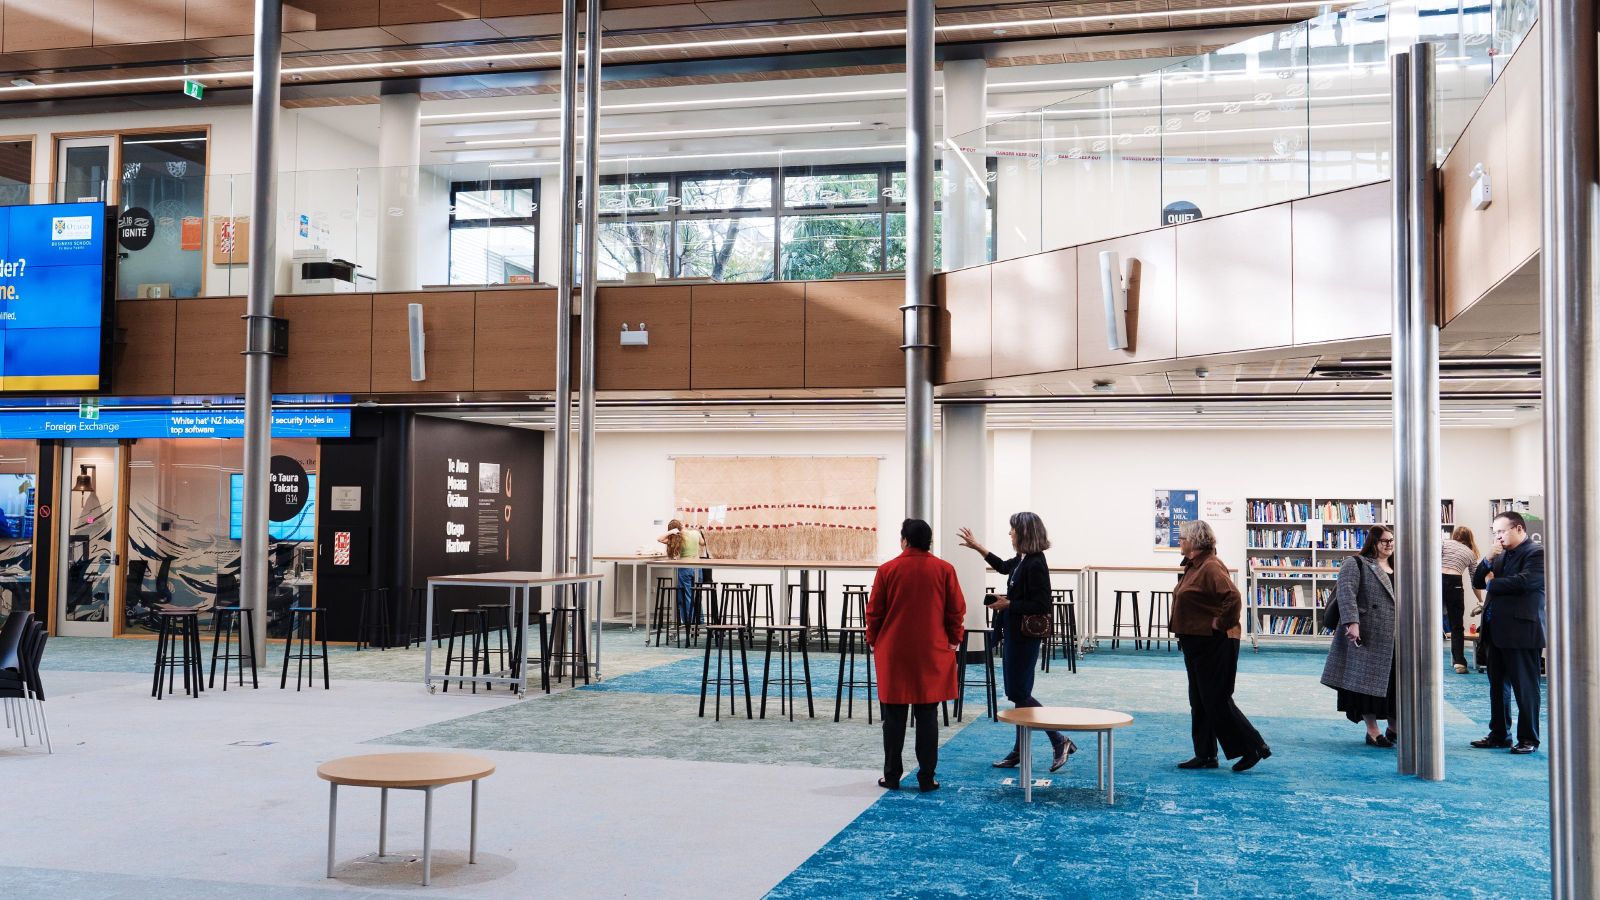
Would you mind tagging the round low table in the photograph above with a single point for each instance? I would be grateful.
(1103, 722)
(405, 772)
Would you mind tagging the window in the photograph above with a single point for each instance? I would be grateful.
(16, 171)
(494, 231)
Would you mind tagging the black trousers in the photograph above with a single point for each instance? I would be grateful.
(1213, 664)
(1019, 656)
(1513, 675)
(894, 739)
(1455, 605)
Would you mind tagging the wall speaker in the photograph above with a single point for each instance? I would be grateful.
(1114, 277)
(419, 342)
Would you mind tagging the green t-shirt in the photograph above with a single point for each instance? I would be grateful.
(691, 543)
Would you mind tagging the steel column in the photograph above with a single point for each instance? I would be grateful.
(1400, 353)
(1423, 740)
(586, 330)
(264, 114)
(1568, 290)
(919, 309)
(567, 175)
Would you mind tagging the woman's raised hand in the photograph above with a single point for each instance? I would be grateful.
(967, 540)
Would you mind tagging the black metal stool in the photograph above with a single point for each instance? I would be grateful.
(1160, 612)
(785, 682)
(664, 613)
(497, 638)
(759, 606)
(703, 603)
(180, 624)
(731, 607)
(1065, 630)
(719, 634)
(1117, 625)
(991, 692)
(472, 618)
(226, 631)
(521, 658)
(853, 613)
(374, 619)
(302, 622)
(819, 591)
(849, 684)
(568, 649)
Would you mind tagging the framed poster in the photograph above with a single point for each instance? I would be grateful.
(1172, 509)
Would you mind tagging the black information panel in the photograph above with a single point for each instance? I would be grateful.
(476, 498)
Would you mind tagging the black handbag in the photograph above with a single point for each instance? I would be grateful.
(1035, 626)
(1330, 615)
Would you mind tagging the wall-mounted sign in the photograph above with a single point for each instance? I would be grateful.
(345, 498)
(341, 548)
(1179, 211)
(287, 489)
(1172, 509)
(118, 423)
(136, 228)
(194, 90)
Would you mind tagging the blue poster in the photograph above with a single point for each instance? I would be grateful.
(1173, 508)
(52, 296)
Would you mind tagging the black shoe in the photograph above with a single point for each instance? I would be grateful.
(888, 785)
(1523, 748)
(1379, 741)
(1063, 750)
(1392, 735)
(1489, 743)
(1199, 762)
(1265, 751)
(1011, 761)
(1247, 762)
(927, 786)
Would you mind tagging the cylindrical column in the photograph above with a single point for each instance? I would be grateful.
(258, 306)
(964, 205)
(964, 496)
(1568, 292)
(586, 331)
(1419, 565)
(918, 311)
(1400, 356)
(399, 161)
(567, 175)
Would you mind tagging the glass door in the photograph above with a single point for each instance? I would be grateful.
(89, 566)
(83, 169)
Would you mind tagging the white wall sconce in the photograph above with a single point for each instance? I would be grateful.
(1482, 191)
(639, 338)
(418, 342)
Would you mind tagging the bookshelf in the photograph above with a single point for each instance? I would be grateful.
(1532, 509)
(1294, 548)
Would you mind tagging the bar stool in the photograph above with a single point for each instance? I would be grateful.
(703, 603)
(853, 614)
(568, 631)
(991, 692)
(1117, 625)
(664, 613)
(226, 631)
(302, 622)
(1160, 612)
(730, 609)
(374, 617)
(719, 634)
(497, 637)
(849, 684)
(1065, 629)
(760, 598)
(180, 624)
(521, 658)
(416, 612)
(472, 619)
(819, 590)
(786, 681)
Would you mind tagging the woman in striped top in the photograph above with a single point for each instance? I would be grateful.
(1459, 557)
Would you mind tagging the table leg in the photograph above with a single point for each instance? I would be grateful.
(472, 849)
(1100, 760)
(427, 835)
(333, 819)
(427, 642)
(1111, 768)
(522, 663)
(1025, 764)
(383, 822)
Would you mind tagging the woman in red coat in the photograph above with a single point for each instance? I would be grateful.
(914, 620)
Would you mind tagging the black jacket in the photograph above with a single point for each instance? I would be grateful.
(1513, 614)
(1027, 587)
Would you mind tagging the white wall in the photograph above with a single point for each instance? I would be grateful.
(1525, 461)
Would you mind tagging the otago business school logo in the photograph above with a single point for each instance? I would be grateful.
(64, 229)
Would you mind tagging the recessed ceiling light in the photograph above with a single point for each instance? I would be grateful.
(1104, 384)
(21, 82)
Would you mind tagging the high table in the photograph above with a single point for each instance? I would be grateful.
(1089, 579)
(638, 566)
(520, 586)
(784, 567)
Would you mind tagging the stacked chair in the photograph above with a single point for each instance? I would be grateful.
(22, 642)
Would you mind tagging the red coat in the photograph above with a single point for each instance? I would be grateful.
(913, 617)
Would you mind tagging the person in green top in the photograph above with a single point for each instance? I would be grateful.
(683, 543)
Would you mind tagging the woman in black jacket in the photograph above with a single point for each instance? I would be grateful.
(1027, 594)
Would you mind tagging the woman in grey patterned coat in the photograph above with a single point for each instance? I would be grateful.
(1361, 658)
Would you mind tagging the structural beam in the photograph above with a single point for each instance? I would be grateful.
(918, 312)
(586, 330)
(1400, 355)
(1568, 292)
(566, 173)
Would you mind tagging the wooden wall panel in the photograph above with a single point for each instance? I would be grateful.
(210, 336)
(142, 360)
(1235, 287)
(47, 24)
(1474, 242)
(853, 334)
(448, 321)
(1518, 186)
(491, 9)
(964, 324)
(334, 14)
(405, 12)
(661, 366)
(330, 344)
(1034, 317)
(1152, 308)
(1342, 251)
(748, 336)
(515, 347)
(222, 18)
(137, 21)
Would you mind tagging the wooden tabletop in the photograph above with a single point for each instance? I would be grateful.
(833, 564)
(405, 770)
(1066, 718)
(513, 578)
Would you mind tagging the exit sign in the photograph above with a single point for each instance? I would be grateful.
(88, 409)
(194, 89)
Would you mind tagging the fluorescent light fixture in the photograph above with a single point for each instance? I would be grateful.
(742, 154)
(182, 140)
(1167, 107)
(704, 103)
(1180, 133)
(686, 132)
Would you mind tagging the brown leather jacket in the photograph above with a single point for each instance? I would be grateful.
(1205, 592)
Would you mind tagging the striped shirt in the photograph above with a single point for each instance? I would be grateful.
(1457, 558)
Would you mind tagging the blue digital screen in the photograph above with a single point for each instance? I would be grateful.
(111, 422)
(300, 528)
(52, 296)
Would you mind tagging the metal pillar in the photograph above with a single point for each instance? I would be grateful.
(1423, 741)
(1400, 354)
(586, 330)
(399, 171)
(264, 114)
(566, 173)
(964, 480)
(919, 309)
(1568, 291)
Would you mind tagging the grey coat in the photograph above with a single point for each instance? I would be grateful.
(1365, 595)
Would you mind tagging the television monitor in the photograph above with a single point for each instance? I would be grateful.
(300, 528)
(17, 496)
(55, 291)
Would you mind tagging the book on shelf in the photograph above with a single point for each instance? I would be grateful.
(1347, 512)
(1273, 539)
(1279, 512)
(1281, 595)
(1288, 624)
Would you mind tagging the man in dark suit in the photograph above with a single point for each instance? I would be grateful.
(1513, 632)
